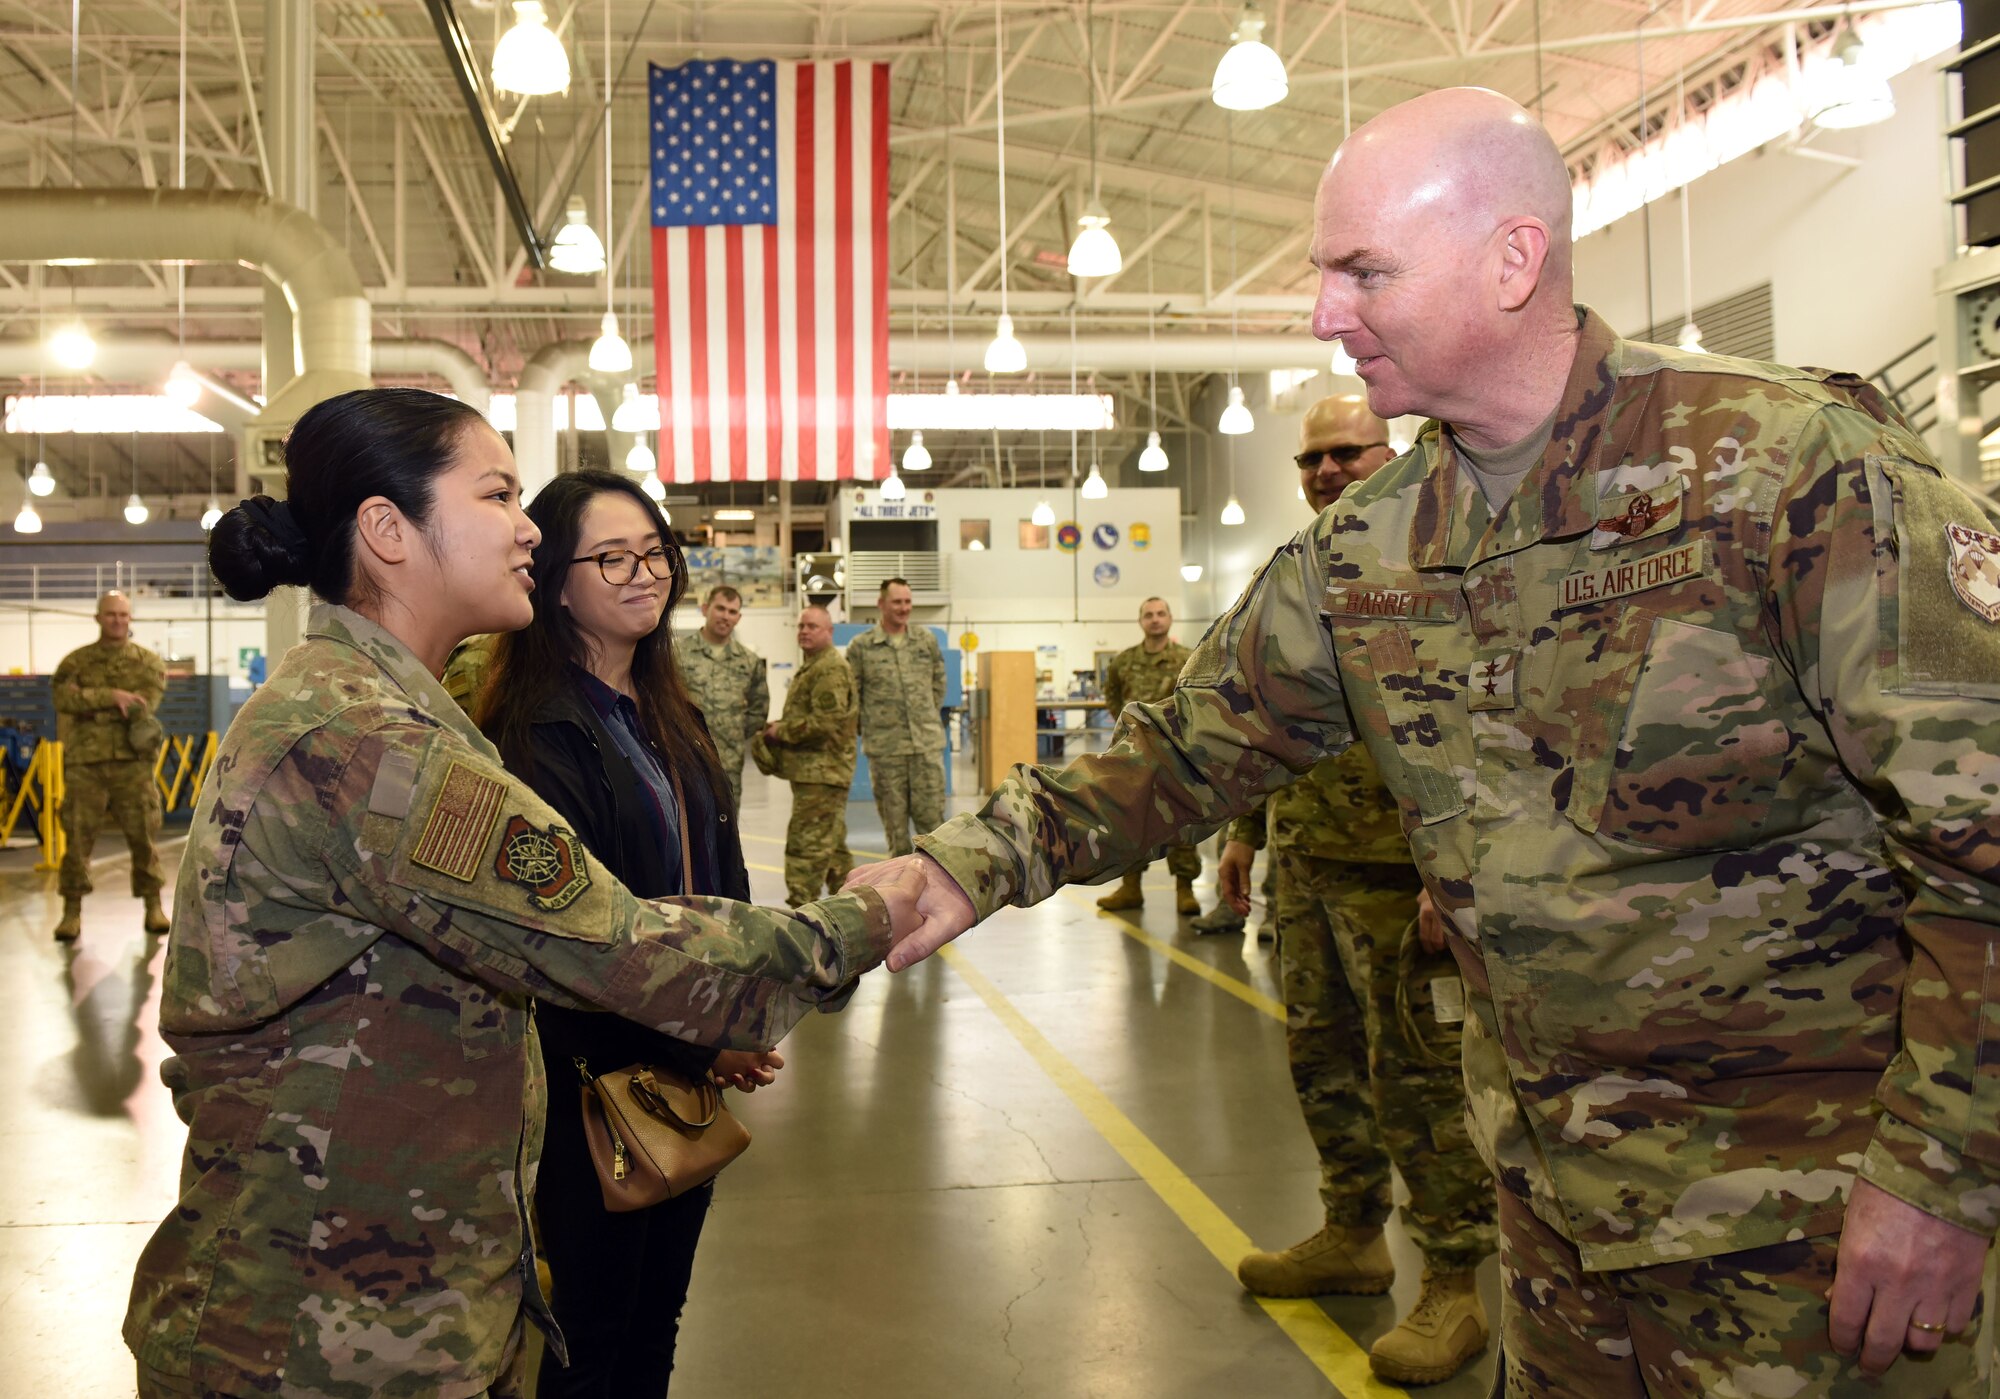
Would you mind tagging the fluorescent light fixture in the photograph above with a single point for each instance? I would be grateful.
(29, 521)
(72, 346)
(41, 481)
(577, 249)
(1043, 514)
(609, 354)
(211, 515)
(1005, 355)
(734, 513)
(1191, 573)
(1235, 419)
(656, 490)
(183, 387)
(641, 458)
(109, 414)
(892, 487)
(1154, 458)
(1232, 513)
(916, 456)
(1093, 485)
(636, 412)
(529, 59)
(135, 510)
(1095, 252)
(1250, 76)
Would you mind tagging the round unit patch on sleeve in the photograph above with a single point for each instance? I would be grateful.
(1975, 569)
(549, 864)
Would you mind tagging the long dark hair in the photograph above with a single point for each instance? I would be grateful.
(531, 667)
(394, 443)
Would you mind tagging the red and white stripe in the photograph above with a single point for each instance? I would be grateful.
(772, 344)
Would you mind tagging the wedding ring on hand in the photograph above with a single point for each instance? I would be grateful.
(1931, 1328)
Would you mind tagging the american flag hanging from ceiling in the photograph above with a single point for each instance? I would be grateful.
(770, 200)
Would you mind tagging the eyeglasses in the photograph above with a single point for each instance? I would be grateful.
(1342, 456)
(621, 566)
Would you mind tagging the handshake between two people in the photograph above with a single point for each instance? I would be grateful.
(927, 909)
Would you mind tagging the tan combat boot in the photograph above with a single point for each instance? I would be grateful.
(1336, 1259)
(1128, 894)
(1185, 903)
(156, 917)
(71, 927)
(1221, 919)
(1445, 1329)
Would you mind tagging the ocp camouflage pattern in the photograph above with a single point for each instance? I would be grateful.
(1136, 674)
(87, 718)
(354, 1047)
(1710, 804)
(729, 686)
(815, 737)
(1340, 810)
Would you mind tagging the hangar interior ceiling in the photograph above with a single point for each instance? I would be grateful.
(1210, 207)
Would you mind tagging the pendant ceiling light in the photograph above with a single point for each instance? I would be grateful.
(916, 456)
(1191, 572)
(211, 514)
(892, 487)
(1250, 76)
(632, 413)
(1232, 513)
(1094, 487)
(1850, 91)
(529, 59)
(1236, 419)
(1690, 337)
(577, 249)
(72, 346)
(609, 354)
(1154, 458)
(41, 481)
(182, 386)
(29, 521)
(1005, 355)
(641, 458)
(656, 491)
(1095, 252)
(136, 512)
(1043, 514)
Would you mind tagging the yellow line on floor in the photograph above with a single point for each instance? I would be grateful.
(1335, 1353)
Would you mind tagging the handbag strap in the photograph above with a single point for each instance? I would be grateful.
(687, 847)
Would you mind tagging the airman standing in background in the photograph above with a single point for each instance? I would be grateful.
(1143, 674)
(100, 690)
(726, 681)
(1372, 1018)
(899, 684)
(812, 747)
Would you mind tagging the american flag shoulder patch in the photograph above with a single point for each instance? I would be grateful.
(462, 816)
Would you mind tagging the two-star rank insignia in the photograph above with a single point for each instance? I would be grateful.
(549, 864)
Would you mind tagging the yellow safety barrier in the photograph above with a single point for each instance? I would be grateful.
(45, 771)
(190, 767)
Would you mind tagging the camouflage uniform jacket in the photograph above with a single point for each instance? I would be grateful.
(1338, 811)
(1695, 746)
(815, 738)
(899, 690)
(728, 685)
(367, 904)
(1136, 674)
(87, 718)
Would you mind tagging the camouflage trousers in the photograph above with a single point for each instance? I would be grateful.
(116, 793)
(816, 854)
(1370, 1092)
(1183, 862)
(1751, 1323)
(908, 787)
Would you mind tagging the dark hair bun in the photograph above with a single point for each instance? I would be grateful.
(258, 546)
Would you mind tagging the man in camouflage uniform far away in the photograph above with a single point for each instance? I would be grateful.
(1372, 1017)
(1143, 674)
(725, 679)
(812, 747)
(899, 683)
(99, 690)
(1689, 696)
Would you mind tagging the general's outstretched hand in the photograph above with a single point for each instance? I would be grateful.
(941, 909)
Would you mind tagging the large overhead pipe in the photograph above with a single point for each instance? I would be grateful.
(329, 308)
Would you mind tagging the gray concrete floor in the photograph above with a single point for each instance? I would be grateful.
(936, 1201)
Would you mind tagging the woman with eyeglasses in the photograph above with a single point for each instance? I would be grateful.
(585, 705)
(367, 902)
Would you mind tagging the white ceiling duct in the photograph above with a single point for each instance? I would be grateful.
(329, 307)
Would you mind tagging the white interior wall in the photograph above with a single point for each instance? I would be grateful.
(34, 641)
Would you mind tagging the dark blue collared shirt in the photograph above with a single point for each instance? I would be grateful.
(621, 720)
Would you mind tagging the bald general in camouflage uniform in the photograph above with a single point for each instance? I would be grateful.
(727, 682)
(1373, 1017)
(811, 746)
(899, 683)
(368, 904)
(1692, 733)
(99, 690)
(1143, 674)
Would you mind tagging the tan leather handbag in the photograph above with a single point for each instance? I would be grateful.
(652, 1133)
